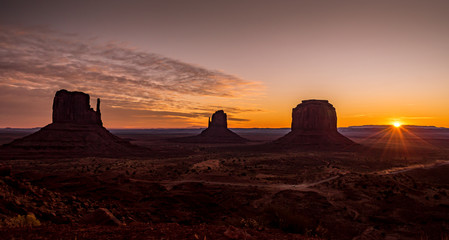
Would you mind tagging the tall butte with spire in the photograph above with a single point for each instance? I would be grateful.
(74, 108)
(314, 123)
(76, 130)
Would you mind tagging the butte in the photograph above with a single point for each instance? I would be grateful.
(216, 132)
(314, 124)
(76, 130)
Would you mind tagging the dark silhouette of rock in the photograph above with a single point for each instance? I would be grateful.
(76, 130)
(219, 120)
(74, 107)
(314, 123)
(218, 127)
(217, 132)
(314, 115)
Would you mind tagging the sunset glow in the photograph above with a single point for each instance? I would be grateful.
(397, 124)
(172, 64)
(231, 119)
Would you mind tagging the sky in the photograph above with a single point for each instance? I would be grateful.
(171, 64)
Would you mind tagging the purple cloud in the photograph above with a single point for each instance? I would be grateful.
(42, 61)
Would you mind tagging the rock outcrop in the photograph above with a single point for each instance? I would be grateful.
(217, 132)
(101, 216)
(76, 130)
(314, 123)
(219, 120)
(74, 107)
(314, 115)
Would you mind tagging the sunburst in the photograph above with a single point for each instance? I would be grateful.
(397, 124)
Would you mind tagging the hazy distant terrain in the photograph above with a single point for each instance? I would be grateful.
(356, 133)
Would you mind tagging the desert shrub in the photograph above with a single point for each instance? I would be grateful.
(252, 223)
(28, 220)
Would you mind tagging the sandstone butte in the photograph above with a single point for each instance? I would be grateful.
(216, 132)
(314, 123)
(76, 130)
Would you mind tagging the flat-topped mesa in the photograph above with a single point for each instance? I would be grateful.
(74, 107)
(314, 115)
(219, 120)
(314, 123)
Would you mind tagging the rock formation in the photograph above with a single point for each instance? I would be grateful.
(314, 123)
(101, 216)
(74, 107)
(217, 132)
(219, 120)
(76, 130)
(314, 115)
(218, 126)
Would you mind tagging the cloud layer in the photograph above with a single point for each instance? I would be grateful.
(41, 60)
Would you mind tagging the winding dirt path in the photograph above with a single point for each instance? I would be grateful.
(297, 187)
(397, 170)
(276, 187)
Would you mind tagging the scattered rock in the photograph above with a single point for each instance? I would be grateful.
(370, 234)
(102, 216)
(236, 233)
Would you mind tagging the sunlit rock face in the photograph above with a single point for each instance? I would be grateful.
(314, 115)
(314, 123)
(74, 107)
(76, 130)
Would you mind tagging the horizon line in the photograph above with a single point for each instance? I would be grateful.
(195, 128)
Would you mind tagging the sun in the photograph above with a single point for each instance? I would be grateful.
(397, 124)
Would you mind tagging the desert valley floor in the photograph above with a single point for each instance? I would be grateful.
(393, 185)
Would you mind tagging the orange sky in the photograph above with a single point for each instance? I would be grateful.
(171, 64)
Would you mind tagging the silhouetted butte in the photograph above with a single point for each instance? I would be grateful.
(76, 130)
(314, 123)
(216, 132)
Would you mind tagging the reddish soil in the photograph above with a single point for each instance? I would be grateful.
(235, 191)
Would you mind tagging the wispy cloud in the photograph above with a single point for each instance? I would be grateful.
(125, 77)
(417, 118)
(357, 116)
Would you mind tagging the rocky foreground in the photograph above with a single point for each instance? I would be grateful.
(276, 195)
